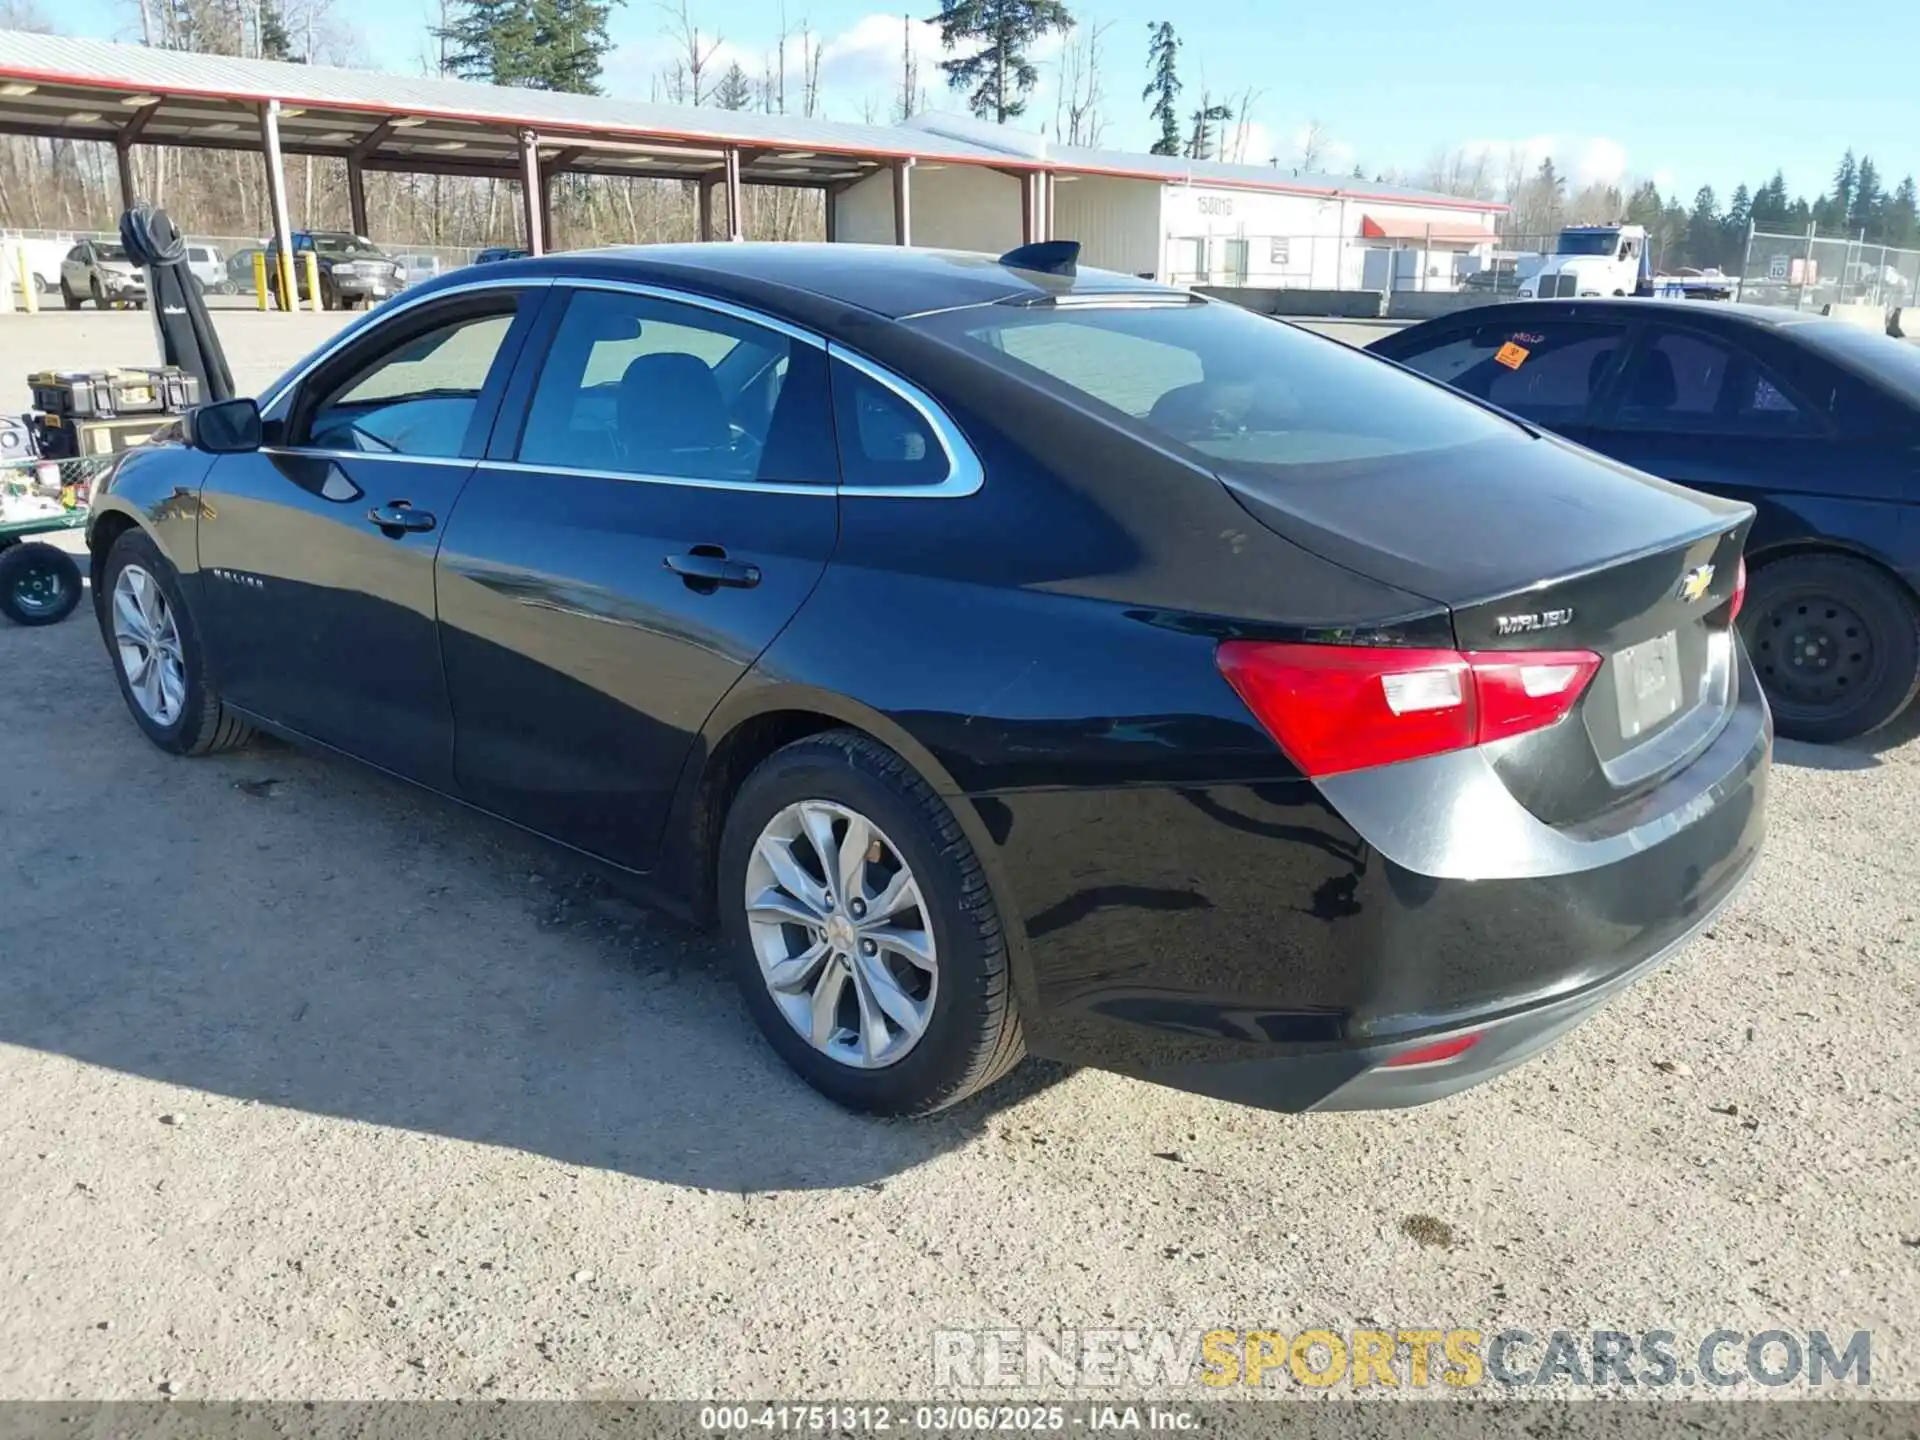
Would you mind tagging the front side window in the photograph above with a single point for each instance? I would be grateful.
(1241, 391)
(417, 398)
(1548, 372)
(634, 385)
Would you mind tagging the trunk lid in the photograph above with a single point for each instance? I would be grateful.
(1537, 545)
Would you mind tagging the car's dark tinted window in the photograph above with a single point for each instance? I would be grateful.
(884, 439)
(1237, 389)
(1688, 382)
(417, 398)
(1546, 371)
(634, 385)
(1894, 363)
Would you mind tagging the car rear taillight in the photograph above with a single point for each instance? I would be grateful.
(1335, 708)
(1440, 1050)
(1739, 590)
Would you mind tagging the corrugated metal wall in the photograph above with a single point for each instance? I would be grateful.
(1117, 222)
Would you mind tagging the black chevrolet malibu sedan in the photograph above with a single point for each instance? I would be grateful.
(1006, 658)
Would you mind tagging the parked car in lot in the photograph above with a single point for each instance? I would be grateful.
(1007, 658)
(353, 270)
(1814, 422)
(416, 268)
(495, 253)
(95, 270)
(209, 267)
(240, 269)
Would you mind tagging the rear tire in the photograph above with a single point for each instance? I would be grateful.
(965, 1025)
(188, 718)
(1836, 643)
(39, 584)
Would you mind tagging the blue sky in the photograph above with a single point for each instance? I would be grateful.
(1689, 92)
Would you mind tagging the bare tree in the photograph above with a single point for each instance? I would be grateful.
(1462, 172)
(911, 98)
(688, 76)
(1076, 112)
(1311, 153)
(1236, 148)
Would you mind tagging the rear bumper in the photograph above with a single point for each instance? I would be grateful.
(1278, 945)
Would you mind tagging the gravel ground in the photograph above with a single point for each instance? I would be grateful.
(319, 1087)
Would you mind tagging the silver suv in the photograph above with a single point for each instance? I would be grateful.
(103, 273)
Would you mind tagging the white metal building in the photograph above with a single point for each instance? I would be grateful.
(1175, 220)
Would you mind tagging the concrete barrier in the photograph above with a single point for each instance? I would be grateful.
(1325, 304)
(1431, 304)
(1871, 317)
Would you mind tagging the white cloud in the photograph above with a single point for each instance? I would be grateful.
(1582, 159)
(867, 54)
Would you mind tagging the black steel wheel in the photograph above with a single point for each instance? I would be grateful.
(39, 584)
(1836, 643)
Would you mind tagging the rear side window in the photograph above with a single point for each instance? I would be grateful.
(1548, 372)
(886, 440)
(1686, 382)
(1239, 390)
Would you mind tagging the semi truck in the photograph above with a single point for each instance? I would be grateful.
(1613, 260)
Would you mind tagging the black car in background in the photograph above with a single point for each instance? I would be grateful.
(1007, 658)
(353, 270)
(1814, 422)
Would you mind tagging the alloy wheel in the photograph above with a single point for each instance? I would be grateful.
(146, 637)
(842, 934)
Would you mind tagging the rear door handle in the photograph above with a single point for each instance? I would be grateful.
(397, 517)
(706, 568)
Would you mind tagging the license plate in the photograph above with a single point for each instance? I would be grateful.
(1646, 680)
(138, 395)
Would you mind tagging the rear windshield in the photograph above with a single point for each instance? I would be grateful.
(1243, 392)
(1894, 363)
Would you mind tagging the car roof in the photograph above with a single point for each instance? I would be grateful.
(1708, 310)
(888, 280)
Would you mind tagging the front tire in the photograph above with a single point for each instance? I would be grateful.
(157, 654)
(39, 584)
(862, 929)
(1836, 643)
(67, 297)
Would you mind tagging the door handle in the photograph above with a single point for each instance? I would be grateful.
(397, 517)
(706, 568)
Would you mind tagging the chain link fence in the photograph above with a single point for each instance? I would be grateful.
(1809, 271)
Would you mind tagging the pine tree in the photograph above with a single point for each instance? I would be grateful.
(571, 44)
(1733, 229)
(999, 72)
(275, 42)
(735, 91)
(1163, 89)
(1902, 224)
(493, 41)
(1203, 139)
(1704, 239)
(1835, 212)
(1868, 199)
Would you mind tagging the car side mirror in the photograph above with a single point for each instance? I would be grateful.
(224, 427)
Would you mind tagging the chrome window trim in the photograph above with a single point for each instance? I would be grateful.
(965, 473)
(762, 487)
(649, 291)
(398, 305)
(298, 453)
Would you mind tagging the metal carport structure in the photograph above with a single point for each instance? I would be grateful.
(125, 95)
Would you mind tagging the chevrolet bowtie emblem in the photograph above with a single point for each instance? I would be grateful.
(1695, 583)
